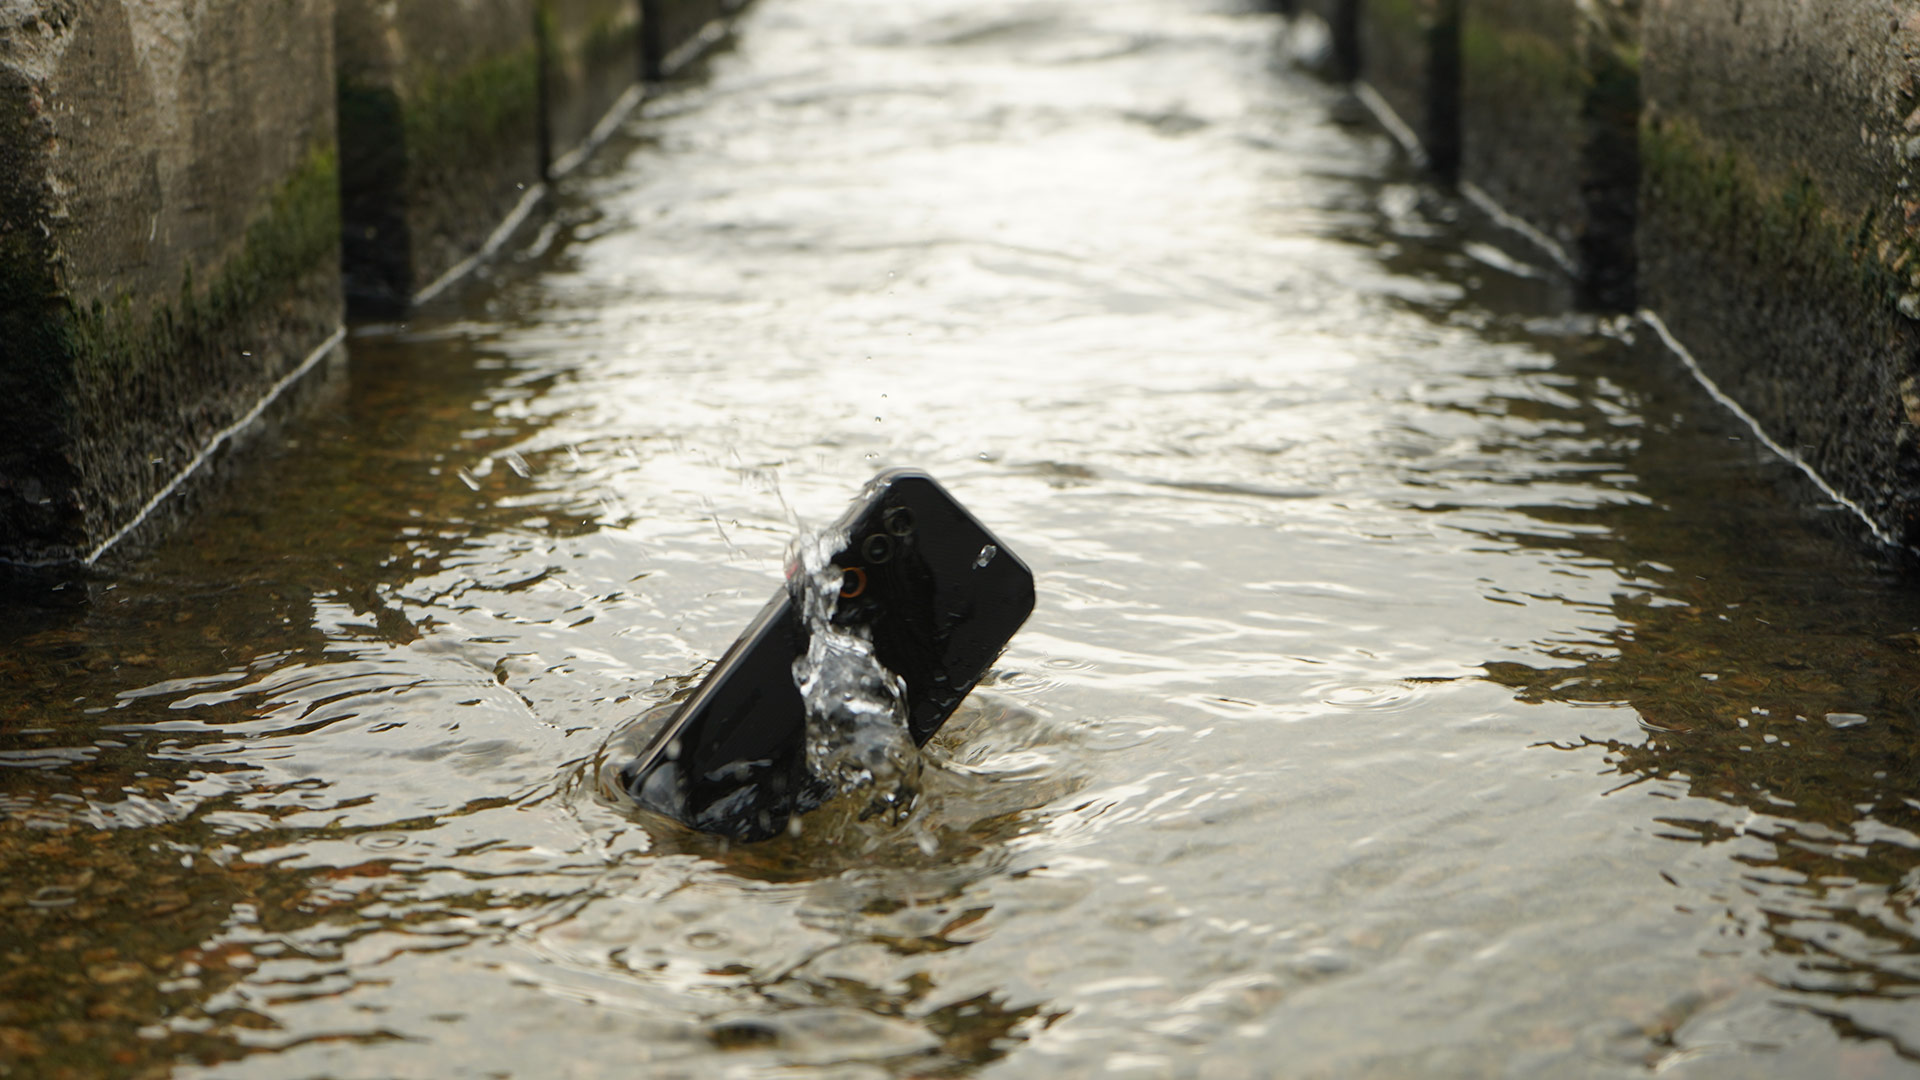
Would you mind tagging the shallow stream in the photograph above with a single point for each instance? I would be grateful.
(1426, 680)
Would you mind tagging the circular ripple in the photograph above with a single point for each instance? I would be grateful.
(1369, 696)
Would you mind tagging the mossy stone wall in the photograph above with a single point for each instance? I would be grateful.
(168, 243)
(1409, 53)
(592, 57)
(441, 135)
(1745, 169)
(1778, 224)
(1549, 115)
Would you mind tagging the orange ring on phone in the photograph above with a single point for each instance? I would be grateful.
(853, 582)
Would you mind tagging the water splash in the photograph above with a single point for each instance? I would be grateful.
(857, 734)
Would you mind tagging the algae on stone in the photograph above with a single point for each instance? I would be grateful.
(1800, 307)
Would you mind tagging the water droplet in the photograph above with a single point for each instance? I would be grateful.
(987, 555)
(1846, 719)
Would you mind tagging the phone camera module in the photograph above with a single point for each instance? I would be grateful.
(899, 521)
(877, 548)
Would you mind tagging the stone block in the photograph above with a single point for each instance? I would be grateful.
(440, 135)
(169, 243)
(1410, 56)
(592, 58)
(1777, 230)
(1549, 128)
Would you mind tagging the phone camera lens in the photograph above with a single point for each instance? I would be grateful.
(877, 548)
(899, 521)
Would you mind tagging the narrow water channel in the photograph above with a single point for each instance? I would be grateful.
(1426, 681)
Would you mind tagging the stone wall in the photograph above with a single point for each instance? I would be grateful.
(168, 243)
(1741, 169)
(593, 55)
(190, 189)
(440, 126)
(1777, 232)
(452, 112)
(1549, 114)
(1409, 54)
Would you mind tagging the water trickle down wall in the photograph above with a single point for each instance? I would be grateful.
(184, 184)
(1740, 169)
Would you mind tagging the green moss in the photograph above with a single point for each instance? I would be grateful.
(1503, 59)
(451, 119)
(101, 388)
(1529, 66)
(546, 29)
(611, 36)
(296, 235)
(1412, 16)
(1784, 223)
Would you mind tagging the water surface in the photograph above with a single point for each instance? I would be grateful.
(1426, 680)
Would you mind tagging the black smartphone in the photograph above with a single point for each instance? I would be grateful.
(937, 594)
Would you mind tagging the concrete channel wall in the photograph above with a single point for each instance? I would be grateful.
(168, 242)
(1741, 171)
(193, 191)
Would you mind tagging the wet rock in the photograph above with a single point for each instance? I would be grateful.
(19, 1042)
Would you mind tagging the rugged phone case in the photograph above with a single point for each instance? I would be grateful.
(938, 594)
